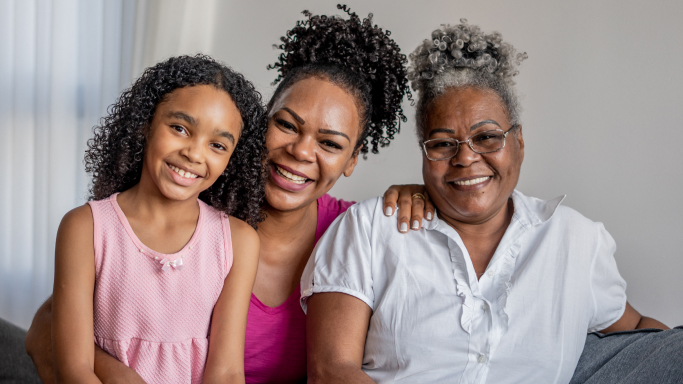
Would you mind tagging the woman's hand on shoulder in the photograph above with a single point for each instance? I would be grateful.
(411, 207)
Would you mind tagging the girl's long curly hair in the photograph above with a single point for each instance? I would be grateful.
(115, 154)
(356, 55)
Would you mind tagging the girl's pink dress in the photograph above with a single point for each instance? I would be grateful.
(275, 347)
(152, 310)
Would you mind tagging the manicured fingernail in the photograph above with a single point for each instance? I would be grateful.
(404, 227)
(416, 224)
(388, 211)
(429, 215)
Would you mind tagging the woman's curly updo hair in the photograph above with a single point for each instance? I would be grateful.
(355, 55)
(115, 154)
(460, 56)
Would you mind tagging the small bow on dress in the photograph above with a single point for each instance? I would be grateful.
(167, 264)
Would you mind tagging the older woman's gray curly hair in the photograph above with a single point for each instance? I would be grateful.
(460, 56)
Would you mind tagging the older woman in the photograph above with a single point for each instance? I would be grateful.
(500, 287)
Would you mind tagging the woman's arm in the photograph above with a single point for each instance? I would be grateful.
(39, 347)
(631, 319)
(225, 362)
(411, 211)
(72, 325)
(39, 342)
(336, 327)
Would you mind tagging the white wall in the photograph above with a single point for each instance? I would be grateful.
(603, 98)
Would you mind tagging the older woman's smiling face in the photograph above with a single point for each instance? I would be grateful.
(470, 187)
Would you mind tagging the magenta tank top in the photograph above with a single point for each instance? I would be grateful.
(275, 348)
(152, 311)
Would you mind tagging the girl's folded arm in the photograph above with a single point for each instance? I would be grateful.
(225, 363)
(72, 326)
(111, 371)
(39, 347)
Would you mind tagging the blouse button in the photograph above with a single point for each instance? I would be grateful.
(482, 358)
(484, 307)
(490, 273)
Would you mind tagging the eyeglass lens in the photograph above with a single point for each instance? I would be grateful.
(483, 142)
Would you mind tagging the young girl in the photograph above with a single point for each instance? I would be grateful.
(152, 253)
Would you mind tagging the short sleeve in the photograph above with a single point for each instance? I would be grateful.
(329, 209)
(342, 259)
(607, 286)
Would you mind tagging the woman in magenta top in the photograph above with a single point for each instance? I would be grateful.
(275, 350)
(339, 94)
(340, 87)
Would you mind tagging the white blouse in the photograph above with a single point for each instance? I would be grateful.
(552, 279)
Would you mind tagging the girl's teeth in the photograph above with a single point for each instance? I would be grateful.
(292, 177)
(183, 173)
(472, 181)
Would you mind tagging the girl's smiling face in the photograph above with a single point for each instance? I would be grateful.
(313, 128)
(190, 140)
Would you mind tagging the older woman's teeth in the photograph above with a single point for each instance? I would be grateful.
(296, 179)
(472, 181)
(183, 173)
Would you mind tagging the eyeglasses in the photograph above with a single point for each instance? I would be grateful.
(482, 142)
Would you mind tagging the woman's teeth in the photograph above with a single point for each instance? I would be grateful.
(183, 173)
(472, 181)
(290, 176)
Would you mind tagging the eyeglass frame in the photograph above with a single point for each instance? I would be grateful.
(469, 143)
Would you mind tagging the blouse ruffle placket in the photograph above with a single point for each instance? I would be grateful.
(504, 267)
(462, 288)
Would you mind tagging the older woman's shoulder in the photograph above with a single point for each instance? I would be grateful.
(370, 213)
(553, 213)
(369, 207)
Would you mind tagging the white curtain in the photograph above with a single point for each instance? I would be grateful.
(62, 63)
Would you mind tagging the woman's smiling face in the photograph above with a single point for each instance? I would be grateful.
(191, 138)
(313, 128)
(470, 187)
